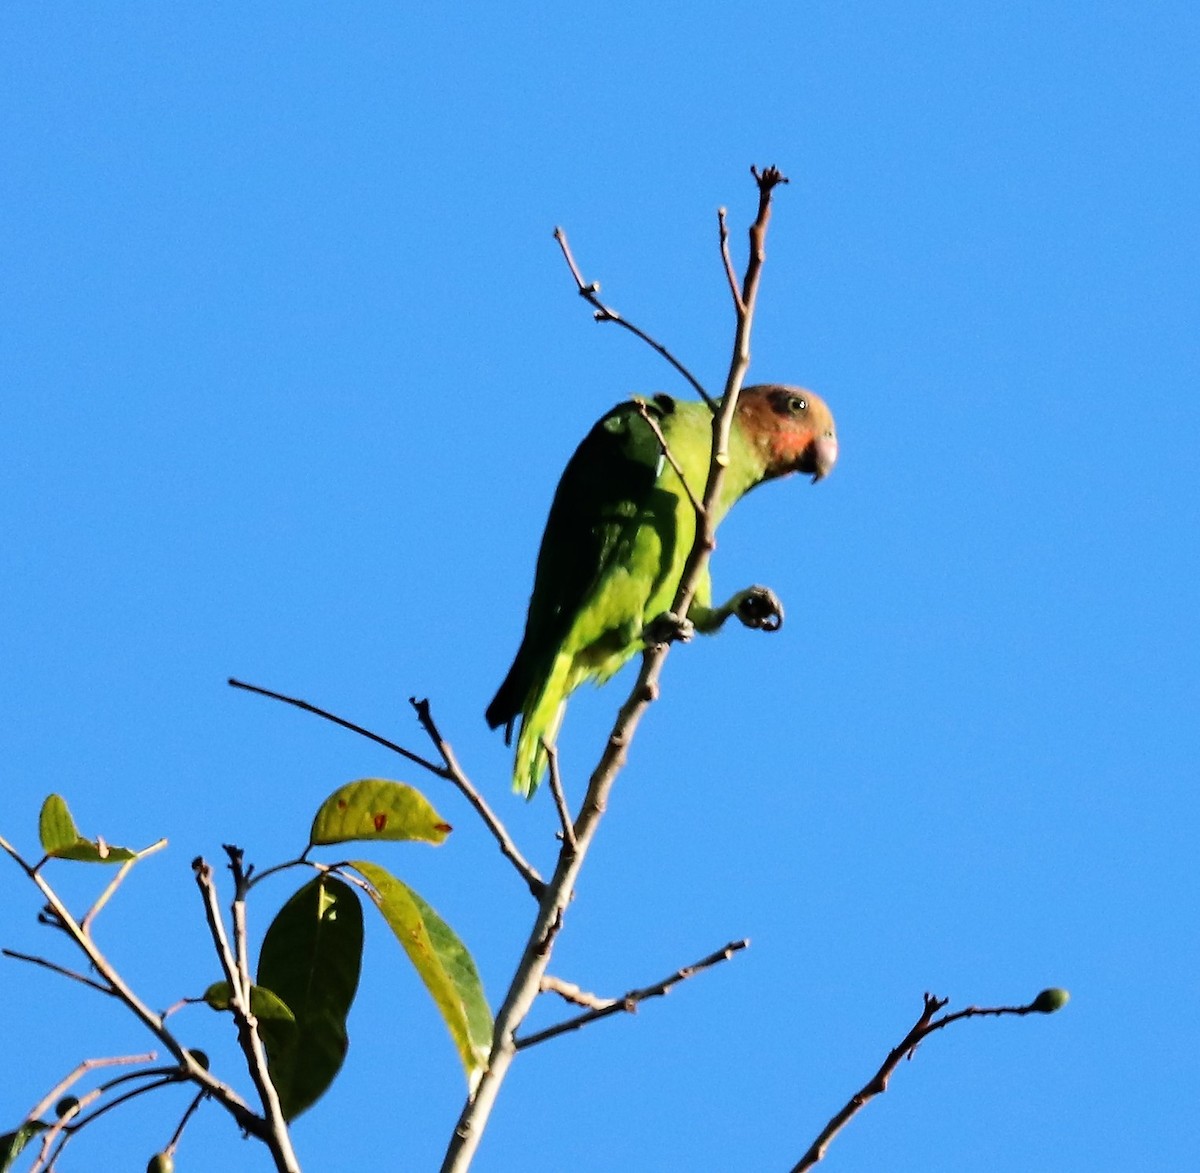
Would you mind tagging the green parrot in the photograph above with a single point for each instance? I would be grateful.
(619, 532)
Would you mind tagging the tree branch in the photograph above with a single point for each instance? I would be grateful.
(628, 1003)
(273, 1128)
(61, 969)
(450, 771)
(726, 260)
(56, 1092)
(590, 292)
(454, 773)
(526, 980)
(560, 797)
(107, 894)
(1047, 1002)
(224, 1095)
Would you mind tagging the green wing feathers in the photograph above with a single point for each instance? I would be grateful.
(599, 570)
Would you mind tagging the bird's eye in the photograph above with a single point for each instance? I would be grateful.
(797, 405)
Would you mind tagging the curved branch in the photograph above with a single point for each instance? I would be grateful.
(590, 292)
(450, 771)
(1045, 1003)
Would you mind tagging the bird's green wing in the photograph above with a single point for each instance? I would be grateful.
(604, 490)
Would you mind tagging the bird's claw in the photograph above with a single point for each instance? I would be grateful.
(759, 607)
(668, 628)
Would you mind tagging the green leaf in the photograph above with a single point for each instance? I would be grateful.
(374, 809)
(61, 838)
(276, 1022)
(265, 1005)
(11, 1143)
(310, 961)
(443, 963)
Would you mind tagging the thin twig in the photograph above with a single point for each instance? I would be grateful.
(72, 1120)
(926, 1025)
(273, 1130)
(56, 1092)
(295, 702)
(570, 992)
(629, 1003)
(241, 935)
(644, 412)
(224, 1095)
(560, 798)
(107, 894)
(726, 260)
(173, 1143)
(160, 1080)
(56, 968)
(454, 772)
(590, 292)
(450, 772)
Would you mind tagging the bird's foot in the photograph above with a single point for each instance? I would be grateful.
(668, 628)
(759, 607)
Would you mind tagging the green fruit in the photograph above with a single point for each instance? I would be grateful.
(161, 1163)
(1048, 1001)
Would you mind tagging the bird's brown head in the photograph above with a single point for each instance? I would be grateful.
(792, 428)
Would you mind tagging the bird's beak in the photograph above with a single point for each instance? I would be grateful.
(824, 455)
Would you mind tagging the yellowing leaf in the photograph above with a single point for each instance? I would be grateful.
(374, 809)
(443, 963)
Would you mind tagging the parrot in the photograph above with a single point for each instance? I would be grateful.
(620, 529)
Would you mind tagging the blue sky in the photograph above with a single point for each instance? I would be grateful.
(291, 365)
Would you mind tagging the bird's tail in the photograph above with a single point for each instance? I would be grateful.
(540, 723)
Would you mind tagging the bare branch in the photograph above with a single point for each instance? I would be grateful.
(560, 798)
(173, 1143)
(926, 1025)
(454, 773)
(590, 292)
(241, 935)
(107, 894)
(450, 772)
(273, 1128)
(58, 915)
(727, 262)
(56, 1092)
(570, 992)
(72, 1120)
(629, 1003)
(416, 759)
(54, 967)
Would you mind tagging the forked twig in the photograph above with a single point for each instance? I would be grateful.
(450, 771)
(1045, 1003)
(454, 773)
(274, 1130)
(107, 894)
